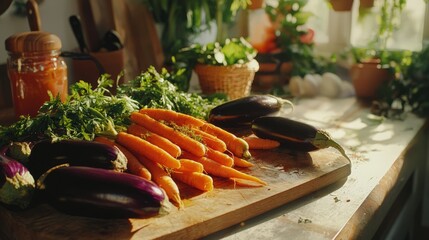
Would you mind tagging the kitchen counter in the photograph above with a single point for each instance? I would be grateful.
(379, 199)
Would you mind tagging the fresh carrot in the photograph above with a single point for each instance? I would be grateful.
(139, 146)
(187, 165)
(133, 164)
(236, 145)
(210, 140)
(197, 180)
(216, 169)
(183, 141)
(153, 138)
(164, 181)
(239, 162)
(255, 142)
(172, 116)
(220, 157)
(245, 183)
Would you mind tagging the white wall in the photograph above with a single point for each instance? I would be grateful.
(54, 16)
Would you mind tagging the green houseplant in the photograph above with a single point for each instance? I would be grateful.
(408, 91)
(225, 67)
(289, 48)
(373, 66)
(182, 20)
(408, 82)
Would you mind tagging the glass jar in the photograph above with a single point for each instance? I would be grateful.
(35, 69)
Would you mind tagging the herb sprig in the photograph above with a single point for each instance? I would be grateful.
(154, 89)
(86, 113)
(89, 112)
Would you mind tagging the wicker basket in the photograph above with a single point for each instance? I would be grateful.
(235, 81)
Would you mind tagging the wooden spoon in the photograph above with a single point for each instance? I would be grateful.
(33, 15)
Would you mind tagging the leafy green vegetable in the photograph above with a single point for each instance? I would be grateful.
(231, 51)
(84, 114)
(89, 112)
(154, 90)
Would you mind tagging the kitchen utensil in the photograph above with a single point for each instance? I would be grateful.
(76, 26)
(33, 15)
(111, 41)
(4, 5)
(84, 56)
(88, 25)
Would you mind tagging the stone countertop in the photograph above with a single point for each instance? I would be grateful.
(385, 154)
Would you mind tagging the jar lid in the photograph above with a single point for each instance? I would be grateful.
(35, 41)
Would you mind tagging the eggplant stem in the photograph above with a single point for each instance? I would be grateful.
(324, 140)
(284, 101)
(39, 182)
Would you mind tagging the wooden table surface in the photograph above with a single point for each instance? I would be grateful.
(385, 155)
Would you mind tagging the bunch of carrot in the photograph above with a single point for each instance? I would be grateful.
(165, 146)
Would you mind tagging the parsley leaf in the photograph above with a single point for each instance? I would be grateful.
(85, 114)
(154, 89)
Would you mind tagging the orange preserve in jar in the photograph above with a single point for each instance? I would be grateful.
(35, 68)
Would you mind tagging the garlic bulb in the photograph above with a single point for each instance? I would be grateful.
(311, 85)
(295, 86)
(347, 89)
(330, 85)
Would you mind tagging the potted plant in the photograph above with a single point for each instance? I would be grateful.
(366, 3)
(373, 66)
(341, 5)
(256, 4)
(370, 72)
(226, 11)
(408, 91)
(178, 20)
(416, 82)
(183, 20)
(288, 46)
(222, 67)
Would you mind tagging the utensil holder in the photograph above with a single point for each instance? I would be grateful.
(90, 67)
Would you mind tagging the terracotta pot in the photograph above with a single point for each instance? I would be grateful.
(341, 5)
(366, 3)
(368, 77)
(256, 4)
(271, 75)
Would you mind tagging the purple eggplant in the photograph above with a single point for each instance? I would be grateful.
(17, 185)
(293, 134)
(45, 155)
(101, 193)
(241, 112)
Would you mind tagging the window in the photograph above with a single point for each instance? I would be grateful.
(337, 30)
(408, 36)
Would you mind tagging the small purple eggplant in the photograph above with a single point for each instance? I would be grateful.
(101, 193)
(241, 112)
(45, 155)
(293, 134)
(17, 185)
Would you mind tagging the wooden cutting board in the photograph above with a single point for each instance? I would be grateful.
(289, 176)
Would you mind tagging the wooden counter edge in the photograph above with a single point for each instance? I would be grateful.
(367, 219)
